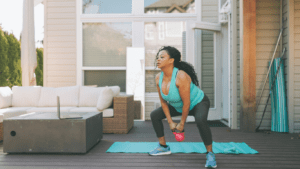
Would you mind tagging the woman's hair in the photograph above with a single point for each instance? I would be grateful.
(181, 65)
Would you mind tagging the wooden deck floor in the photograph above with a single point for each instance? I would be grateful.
(276, 150)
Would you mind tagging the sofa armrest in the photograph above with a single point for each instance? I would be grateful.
(123, 119)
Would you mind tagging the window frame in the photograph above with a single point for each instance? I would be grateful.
(137, 17)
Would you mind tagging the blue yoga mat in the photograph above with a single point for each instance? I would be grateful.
(182, 147)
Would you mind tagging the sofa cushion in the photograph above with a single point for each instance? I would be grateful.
(105, 99)
(49, 109)
(106, 113)
(5, 97)
(88, 96)
(115, 89)
(13, 111)
(68, 96)
(27, 96)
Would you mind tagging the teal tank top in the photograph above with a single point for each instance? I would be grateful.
(173, 97)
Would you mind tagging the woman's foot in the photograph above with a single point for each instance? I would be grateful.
(211, 160)
(160, 150)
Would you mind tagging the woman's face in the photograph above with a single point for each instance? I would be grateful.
(163, 59)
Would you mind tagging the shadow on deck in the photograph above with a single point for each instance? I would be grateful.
(276, 150)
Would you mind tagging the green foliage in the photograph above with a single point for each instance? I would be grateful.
(10, 61)
(4, 70)
(39, 68)
(14, 61)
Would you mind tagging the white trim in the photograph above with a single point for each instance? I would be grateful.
(207, 26)
(138, 29)
(234, 65)
(190, 43)
(198, 5)
(139, 18)
(80, 73)
(45, 69)
(151, 68)
(198, 59)
(103, 68)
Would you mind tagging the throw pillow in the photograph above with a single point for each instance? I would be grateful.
(105, 99)
(5, 97)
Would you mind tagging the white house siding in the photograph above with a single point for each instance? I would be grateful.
(60, 43)
(209, 14)
(297, 67)
(267, 31)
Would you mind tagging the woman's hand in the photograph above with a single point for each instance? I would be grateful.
(172, 126)
(180, 127)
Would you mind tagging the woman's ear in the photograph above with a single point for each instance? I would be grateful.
(172, 60)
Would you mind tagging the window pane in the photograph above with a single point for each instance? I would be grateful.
(169, 6)
(106, 78)
(106, 6)
(158, 34)
(104, 44)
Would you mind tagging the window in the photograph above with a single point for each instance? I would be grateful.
(174, 29)
(118, 24)
(161, 30)
(152, 47)
(149, 31)
(169, 6)
(106, 6)
(106, 78)
(104, 44)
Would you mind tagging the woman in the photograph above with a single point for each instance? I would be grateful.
(179, 95)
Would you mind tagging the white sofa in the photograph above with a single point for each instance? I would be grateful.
(23, 100)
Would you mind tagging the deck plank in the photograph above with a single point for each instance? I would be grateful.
(276, 150)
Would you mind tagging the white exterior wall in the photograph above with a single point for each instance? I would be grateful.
(267, 31)
(60, 43)
(296, 82)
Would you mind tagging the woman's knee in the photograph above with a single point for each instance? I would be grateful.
(155, 114)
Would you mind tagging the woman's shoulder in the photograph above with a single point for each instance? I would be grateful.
(182, 76)
(157, 77)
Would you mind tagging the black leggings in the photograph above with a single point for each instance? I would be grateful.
(200, 112)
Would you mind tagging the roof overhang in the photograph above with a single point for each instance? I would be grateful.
(36, 2)
(207, 26)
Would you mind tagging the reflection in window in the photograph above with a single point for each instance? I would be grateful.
(106, 6)
(106, 78)
(174, 29)
(161, 29)
(160, 39)
(169, 6)
(104, 44)
(149, 31)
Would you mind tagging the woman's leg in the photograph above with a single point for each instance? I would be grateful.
(156, 117)
(200, 112)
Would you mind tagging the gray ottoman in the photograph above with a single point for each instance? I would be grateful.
(45, 133)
